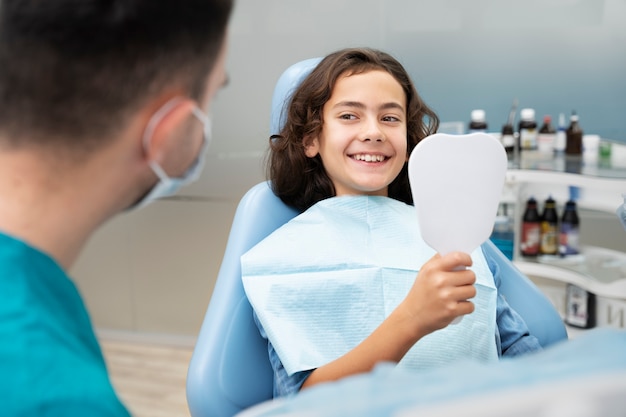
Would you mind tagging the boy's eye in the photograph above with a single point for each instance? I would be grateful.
(347, 116)
(391, 119)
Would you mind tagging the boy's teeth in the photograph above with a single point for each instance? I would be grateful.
(369, 158)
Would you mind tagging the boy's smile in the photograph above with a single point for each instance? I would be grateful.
(363, 142)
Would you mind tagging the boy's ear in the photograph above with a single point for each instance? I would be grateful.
(311, 146)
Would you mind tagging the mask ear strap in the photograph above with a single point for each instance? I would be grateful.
(156, 119)
(200, 115)
(156, 168)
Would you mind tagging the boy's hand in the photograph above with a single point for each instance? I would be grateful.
(441, 292)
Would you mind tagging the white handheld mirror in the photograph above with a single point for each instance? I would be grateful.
(456, 182)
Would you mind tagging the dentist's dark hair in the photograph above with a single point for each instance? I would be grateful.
(301, 181)
(73, 71)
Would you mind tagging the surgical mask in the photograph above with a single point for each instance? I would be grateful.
(168, 186)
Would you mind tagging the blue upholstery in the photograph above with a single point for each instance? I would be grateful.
(523, 296)
(229, 369)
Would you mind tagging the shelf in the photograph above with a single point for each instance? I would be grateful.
(601, 184)
(601, 187)
(598, 270)
(565, 178)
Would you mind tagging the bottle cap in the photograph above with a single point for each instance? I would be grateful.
(527, 114)
(478, 115)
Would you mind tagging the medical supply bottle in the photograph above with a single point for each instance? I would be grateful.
(547, 136)
(508, 140)
(503, 234)
(574, 137)
(527, 129)
(561, 135)
(531, 233)
(549, 229)
(478, 122)
(569, 230)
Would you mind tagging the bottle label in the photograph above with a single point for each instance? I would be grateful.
(545, 142)
(579, 307)
(530, 239)
(549, 239)
(568, 239)
(508, 141)
(528, 138)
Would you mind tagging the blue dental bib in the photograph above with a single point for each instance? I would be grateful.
(325, 280)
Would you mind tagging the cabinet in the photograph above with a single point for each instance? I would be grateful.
(599, 185)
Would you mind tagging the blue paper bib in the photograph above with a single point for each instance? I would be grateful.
(325, 280)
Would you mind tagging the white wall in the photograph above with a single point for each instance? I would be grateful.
(153, 271)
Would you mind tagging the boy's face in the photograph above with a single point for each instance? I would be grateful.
(363, 141)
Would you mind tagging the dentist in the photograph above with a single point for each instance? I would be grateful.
(103, 108)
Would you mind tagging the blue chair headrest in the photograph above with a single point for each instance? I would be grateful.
(287, 83)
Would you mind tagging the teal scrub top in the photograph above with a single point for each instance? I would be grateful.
(50, 361)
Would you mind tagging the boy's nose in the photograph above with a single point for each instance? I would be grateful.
(372, 132)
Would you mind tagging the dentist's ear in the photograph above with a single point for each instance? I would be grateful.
(164, 128)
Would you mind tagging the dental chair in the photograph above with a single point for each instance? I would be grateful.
(229, 369)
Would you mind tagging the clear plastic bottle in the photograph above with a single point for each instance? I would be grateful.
(527, 129)
(478, 122)
(531, 232)
(561, 135)
(574, 137)
(549, 229)
(503, 234)
(569, 230)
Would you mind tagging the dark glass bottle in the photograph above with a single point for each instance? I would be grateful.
(549, 229)
(574, 137)
(529, 242)
(478, 122)
(508, 140)
(569, 230)
(527, 129)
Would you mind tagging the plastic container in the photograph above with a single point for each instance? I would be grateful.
(580, 307)
(561, 135)
(503, 235)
